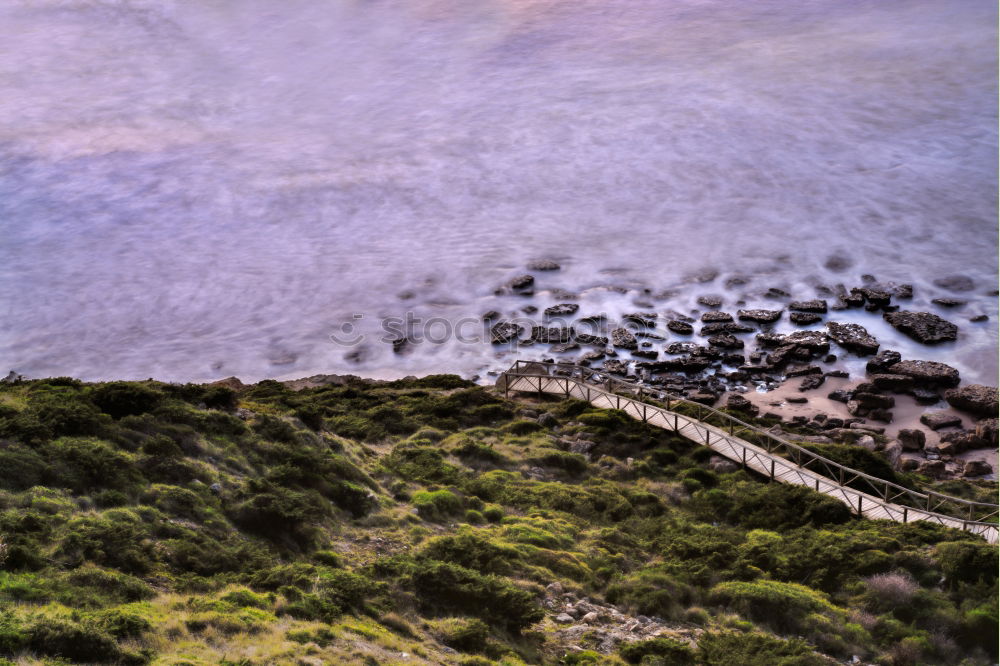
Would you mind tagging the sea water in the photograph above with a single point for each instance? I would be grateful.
(192, 190)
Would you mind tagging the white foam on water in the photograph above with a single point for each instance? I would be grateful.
(196, 190)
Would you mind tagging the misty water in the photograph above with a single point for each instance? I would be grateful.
(192, 190)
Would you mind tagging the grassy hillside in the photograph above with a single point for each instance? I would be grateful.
(432, 522)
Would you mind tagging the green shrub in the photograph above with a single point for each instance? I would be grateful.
(13, 633)
(87, 464)
(278, 513)
(468, 635)
(494, 514)
(63, 638)
(779, 506)
(666, 651)
(114, 586)
(20, 468)
(571, 463)
(120, 399)
(448, 588)
(436, 505)
(220, 397)
(244, 598)
(121, 624)
(755, 649)
(650, 592)
(117, 538)
(968, 561)
(781, 605)
(421, 463)
(472, 549)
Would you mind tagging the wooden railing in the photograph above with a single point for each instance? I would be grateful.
(754, 447)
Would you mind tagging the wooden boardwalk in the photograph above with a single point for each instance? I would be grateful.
(757, 449)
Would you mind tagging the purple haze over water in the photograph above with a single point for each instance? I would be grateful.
(191, 190)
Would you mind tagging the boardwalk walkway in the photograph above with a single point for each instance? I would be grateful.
(754, 448)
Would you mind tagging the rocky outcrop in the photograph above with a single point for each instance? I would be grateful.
(892, 382)
(928, 373)
(715, 315)
(975, 398)
(923, 327)
(737, 402)
(554, 335)
(853, 337)
(977, 468)
(725, 327)
(883, 361)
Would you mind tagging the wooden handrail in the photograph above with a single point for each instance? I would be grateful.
(971, 513)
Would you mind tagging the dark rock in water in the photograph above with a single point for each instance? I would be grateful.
(716, 316)
(587, 339)
(399, 345)
(522, 282)
(853, 337)
(615, 367)
(912, 439)
(884, 360)
(974, 398)
(646, 353)
(894, 383)
(839, 374)
(939, 420)
(948, 302)
(561, 310)
(804, 371)
(928, 373)
(762, 316)
(710, 301)
(647, 319)
(491, 315)
(830, 358)
(683, 348)
(874, 400)
(849, 301)
(504, 332)
(979, 318)
(902, 291)
(564, 347)
(838, 263)
(816, 305)
(922, 326)
(776, 293)
(680, 327)
(740, 404)
(543, 265)
(875, 297)
(592, 319)
(812, 382)
(804, 318)
(531, 309)
(704, 397)
(770, 339)
(736, 281)
(839, 395)
(623, 339)
(553, 335)
(725, 341)
(725, 327)
(649, 336)
(592, 356)
(925, 396)
(734, 359)
(880, 414)
(977, 468)
(956, 283)
(690, 363)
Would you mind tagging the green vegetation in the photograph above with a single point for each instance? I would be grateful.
(152, 523)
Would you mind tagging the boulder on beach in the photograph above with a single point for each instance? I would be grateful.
(928, 373)
(938, 420)
(977, 468)
(912, 439)
(853, 337)
(738, 403)
(975, 398)
(923, 327)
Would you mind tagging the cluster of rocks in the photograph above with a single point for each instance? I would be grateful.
(603, 626)
(638, 346)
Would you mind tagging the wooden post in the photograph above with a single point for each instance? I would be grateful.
(860, 498)
(772, 468)
(906, 512)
